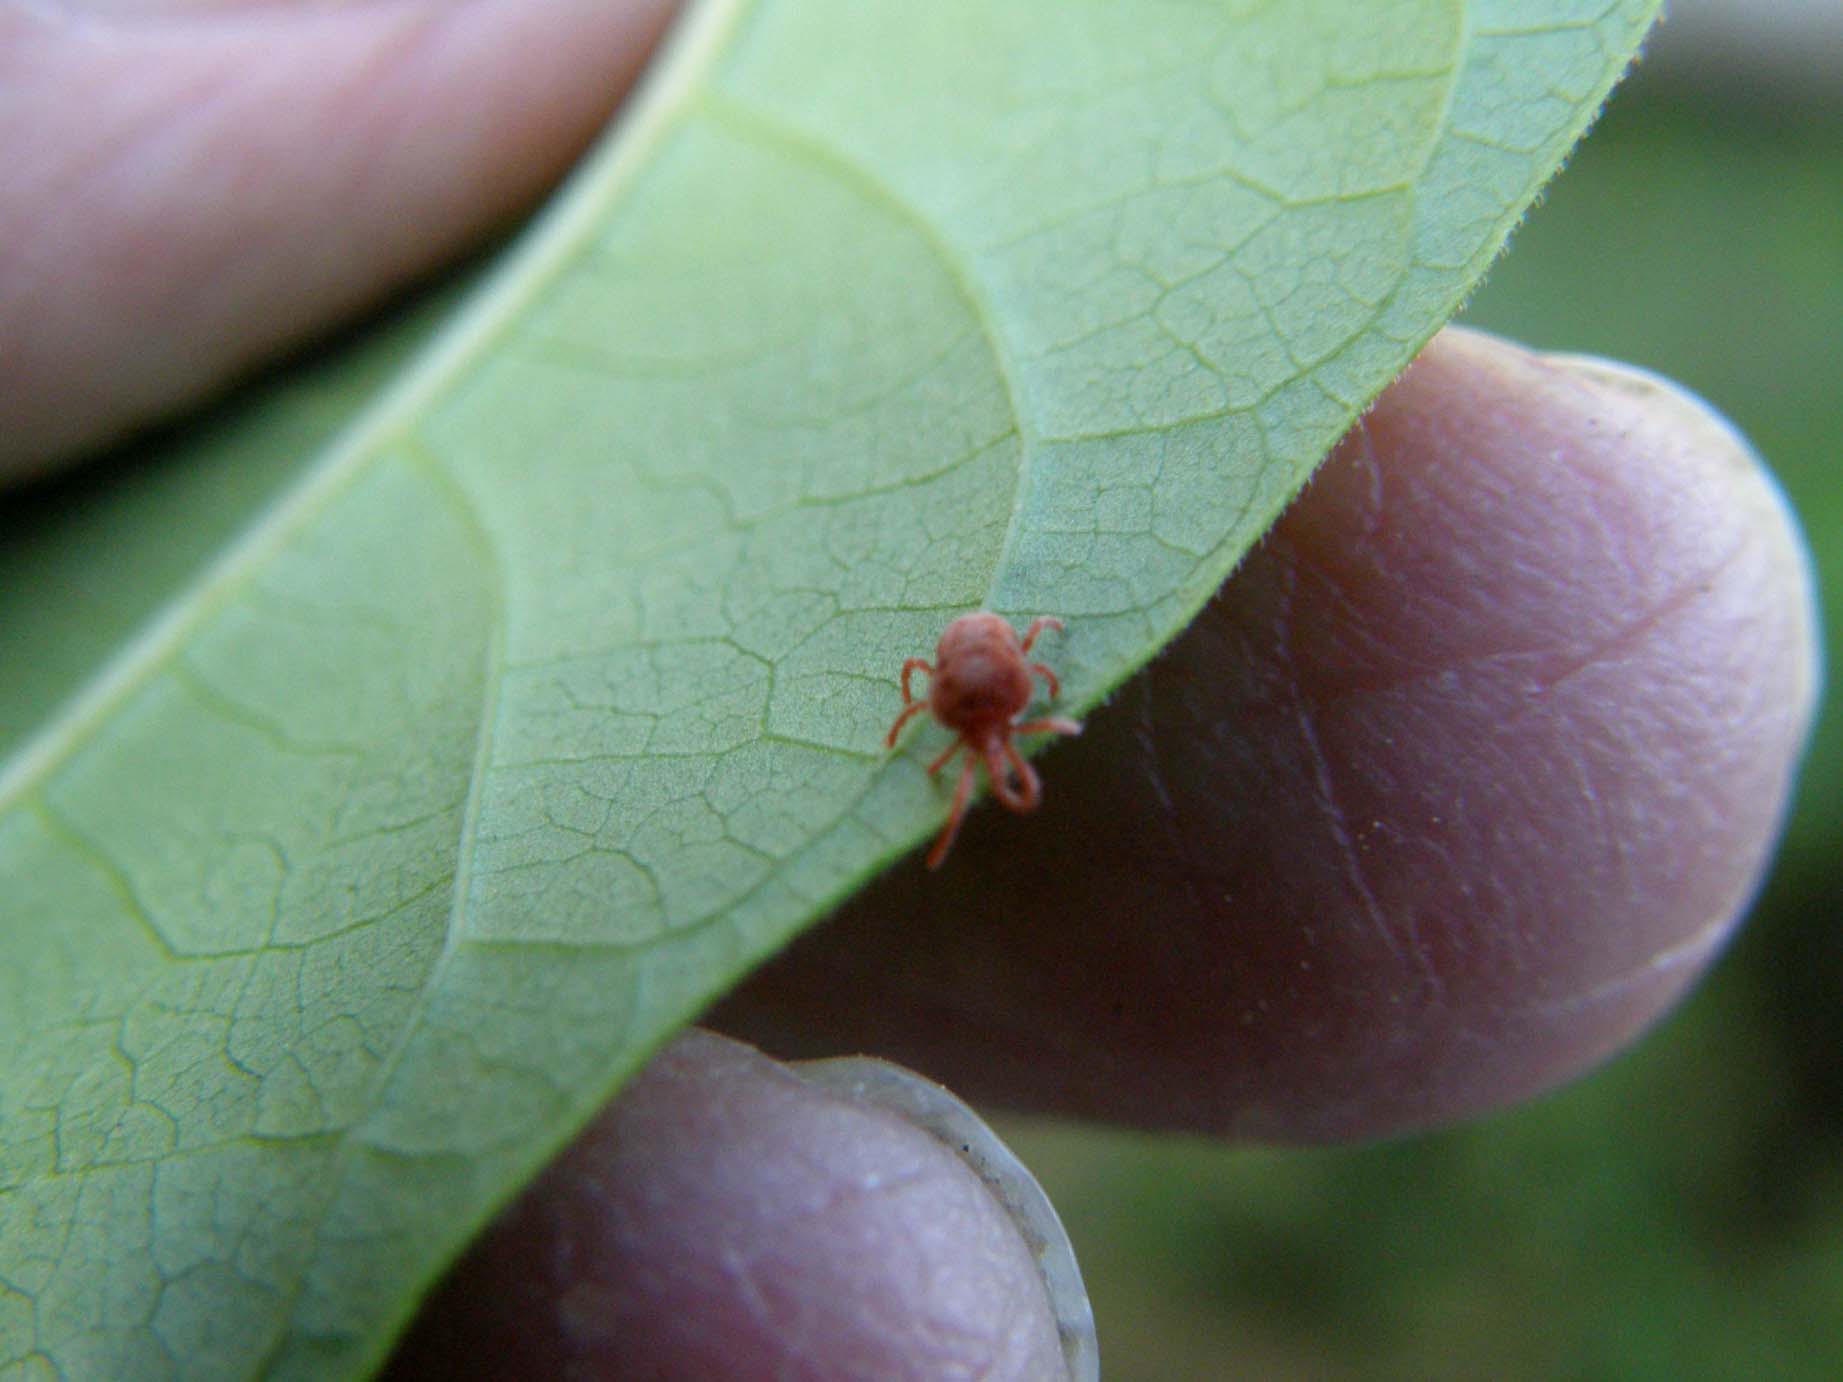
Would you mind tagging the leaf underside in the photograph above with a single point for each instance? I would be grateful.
(550, 699)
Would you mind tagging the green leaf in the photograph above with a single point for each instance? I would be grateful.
(87, 560)
(551, 697)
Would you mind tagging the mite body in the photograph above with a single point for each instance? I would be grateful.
(978, 686)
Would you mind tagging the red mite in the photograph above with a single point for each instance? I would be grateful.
(978, 687)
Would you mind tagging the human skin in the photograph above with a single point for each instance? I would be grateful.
(1453, 788)
(1456, 785)
(149, 249)
(1441, 800)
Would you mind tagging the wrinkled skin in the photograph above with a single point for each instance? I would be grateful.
(1456, 785)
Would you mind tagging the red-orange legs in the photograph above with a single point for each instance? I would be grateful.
(1037, 668)
(909, 712)
(1037, 626)
(910, 706)
(962, 794)
(1056, 724)
(909, 669)
(1002, 764)
(979, 685)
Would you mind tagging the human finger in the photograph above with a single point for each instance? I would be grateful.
(1454, 787)
(728, 1216)
(203, 186)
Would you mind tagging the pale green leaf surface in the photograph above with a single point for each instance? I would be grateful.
(553, 697)
(87, 559)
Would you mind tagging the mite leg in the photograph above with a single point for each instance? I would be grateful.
(909, 669)
(909, 712)
(962, 794)
(1027, 776)
(1055, 687)
(1038, 625)
(1002, 762)
(1056, 724)
(946, 754)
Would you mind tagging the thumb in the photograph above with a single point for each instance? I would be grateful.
(731, 1216)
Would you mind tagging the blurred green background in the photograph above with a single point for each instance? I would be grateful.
(1680, 1213)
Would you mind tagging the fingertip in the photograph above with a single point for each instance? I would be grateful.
(1455, 788)
(1716, 457)
(726, 1217)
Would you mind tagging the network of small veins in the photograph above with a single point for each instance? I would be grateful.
(980, 685)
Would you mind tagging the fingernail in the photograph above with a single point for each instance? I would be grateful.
(1704, 437)
(1688, 413)
(927, 1105)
